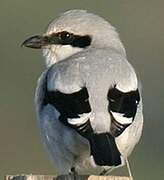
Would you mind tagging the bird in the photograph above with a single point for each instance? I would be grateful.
(88, 99)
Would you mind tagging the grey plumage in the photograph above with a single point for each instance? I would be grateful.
(98, 67)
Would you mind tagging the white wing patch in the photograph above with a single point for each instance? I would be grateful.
(119, 117)
(81, 120)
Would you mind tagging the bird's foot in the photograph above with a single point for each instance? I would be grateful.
(74, 174)
(106, 172)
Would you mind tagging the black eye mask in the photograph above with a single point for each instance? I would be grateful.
(66, 38)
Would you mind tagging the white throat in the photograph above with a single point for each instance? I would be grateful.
(57, 53)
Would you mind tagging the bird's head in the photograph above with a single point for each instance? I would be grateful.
(72, 32)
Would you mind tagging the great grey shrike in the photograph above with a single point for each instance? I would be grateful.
(88, 100)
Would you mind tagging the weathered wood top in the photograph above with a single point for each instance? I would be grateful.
(63, 177)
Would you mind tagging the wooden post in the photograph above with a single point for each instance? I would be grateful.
(63, 177)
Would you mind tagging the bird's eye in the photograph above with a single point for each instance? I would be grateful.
(65, 37)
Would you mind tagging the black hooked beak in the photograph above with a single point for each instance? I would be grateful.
(36, 42)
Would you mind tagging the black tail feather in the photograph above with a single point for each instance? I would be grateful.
(104, 150)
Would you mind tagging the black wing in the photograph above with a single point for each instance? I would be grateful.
(124, 105)
(70, 106)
